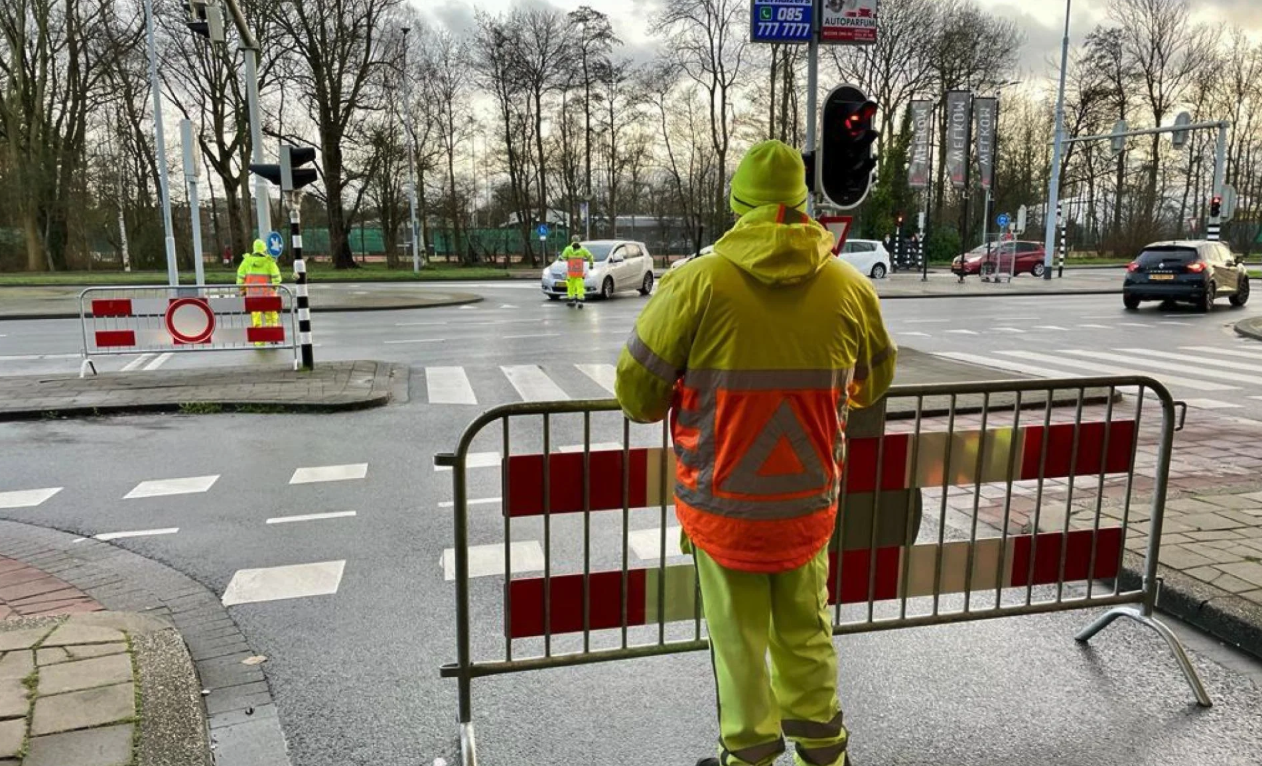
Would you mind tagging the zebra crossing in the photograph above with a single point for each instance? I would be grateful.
(529, 383)
(1186, 369)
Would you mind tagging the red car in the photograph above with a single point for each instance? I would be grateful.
(976, 261)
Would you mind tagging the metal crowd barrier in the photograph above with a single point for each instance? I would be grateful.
(142, 320)
(980, 500)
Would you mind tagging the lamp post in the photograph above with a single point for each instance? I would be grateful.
(407, 122)
(159, 143)
(994, 175)
(1053, 185)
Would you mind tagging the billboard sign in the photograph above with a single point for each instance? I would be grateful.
(848, 22)
(780, 21)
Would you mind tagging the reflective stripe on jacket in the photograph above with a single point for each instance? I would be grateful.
(759, 353)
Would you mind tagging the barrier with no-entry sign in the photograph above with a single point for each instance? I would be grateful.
(1024, 483)
(141, 320)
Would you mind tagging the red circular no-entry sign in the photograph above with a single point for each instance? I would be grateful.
(190, 320)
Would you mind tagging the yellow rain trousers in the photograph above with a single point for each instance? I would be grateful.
(749, 614)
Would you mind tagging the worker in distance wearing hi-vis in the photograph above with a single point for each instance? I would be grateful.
(577, 259)
(757, 353)
(257, 275)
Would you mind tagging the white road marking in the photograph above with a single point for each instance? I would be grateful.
(1256, 355)
(449, 385)
(1132, 324)
(419, 324)
(310, 517)
(597, 447)
(1095, 326)
(647, 543)
(487, 560)
(27, 498)
(133, 364)
(1107, 369)
(1183, 324)
(38, 357)
(1004, 364)
(137, 533)
(537, 335)
(161, 360)
(603, 374)
(1227, 363)
(961, 332)
(1211, 404)
(1162, 366)
(533, 384)
(476, 460)
(928, 321)
(508, 306)
(913, 334)
(329, 473)
(479, 501)
(467, 307)
(164, 487)
(250, 586)
(1015, 330)
(415, 340)
(1052, 327)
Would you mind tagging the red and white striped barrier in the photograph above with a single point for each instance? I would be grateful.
(167, 319)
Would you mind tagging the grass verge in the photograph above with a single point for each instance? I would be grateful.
(317, 272)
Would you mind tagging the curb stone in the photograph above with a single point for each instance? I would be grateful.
(244, 727)
(1250, 328)
(1213, 610)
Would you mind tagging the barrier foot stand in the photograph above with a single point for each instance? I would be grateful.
(83, 368)
(468, 748)
(1176, 646)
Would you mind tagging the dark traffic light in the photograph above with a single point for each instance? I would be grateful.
(1216, 206)
(846, 161)
(290, 173)
(808, 159)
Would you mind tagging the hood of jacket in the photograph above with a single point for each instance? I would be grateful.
(777, 245)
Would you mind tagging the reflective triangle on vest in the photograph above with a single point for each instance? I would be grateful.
(780, 461)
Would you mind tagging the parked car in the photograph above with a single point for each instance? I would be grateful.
(1198, 271)
(867, 255)
(688, 259)
(621, 265)
(1029, 259)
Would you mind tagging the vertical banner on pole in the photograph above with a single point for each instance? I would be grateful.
(958, 114)
(986, 112)
(922, 127)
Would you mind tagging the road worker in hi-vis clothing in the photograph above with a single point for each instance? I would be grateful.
(256, 276)
(577, 259)
(757, 354)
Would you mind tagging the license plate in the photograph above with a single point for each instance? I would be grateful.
(1156, 277)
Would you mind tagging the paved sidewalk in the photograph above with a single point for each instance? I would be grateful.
(56, 302)
(333, 386)
(176, 632)
(91, 689)
(944, 284)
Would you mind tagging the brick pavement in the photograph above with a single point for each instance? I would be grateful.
(29, 592)
(330, 386)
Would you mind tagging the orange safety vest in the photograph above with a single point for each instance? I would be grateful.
(575, 267)
(258, 284)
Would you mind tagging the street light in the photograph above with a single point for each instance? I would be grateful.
(159, 142)
(407, 122)
(1053, 185)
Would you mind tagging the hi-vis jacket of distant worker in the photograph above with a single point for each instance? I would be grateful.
(760, 350)
(257, 274)
(577, 258)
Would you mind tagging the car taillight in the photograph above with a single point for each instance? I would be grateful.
(1132, 266)
(1197, 267)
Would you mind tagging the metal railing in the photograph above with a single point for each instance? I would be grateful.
(152, 319)
(977, 501)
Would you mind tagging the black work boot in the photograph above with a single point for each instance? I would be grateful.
(709, 762)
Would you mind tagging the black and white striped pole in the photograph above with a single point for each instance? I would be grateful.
(1064, 236)
(300, 279)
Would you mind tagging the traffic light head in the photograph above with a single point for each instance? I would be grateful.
(289, 174)
(846, 161)
(1216, 206)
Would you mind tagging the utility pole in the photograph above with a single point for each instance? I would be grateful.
(159, 143)
(1053, 186)
(407, 123)
(1214, 229)
(812, 106)
(250, 47)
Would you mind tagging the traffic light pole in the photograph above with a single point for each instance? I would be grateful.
(1053, 185)
(250, 46)
(812, 104)
(1214, 228)
(159, 143)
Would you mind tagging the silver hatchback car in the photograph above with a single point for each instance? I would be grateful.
(621, 265)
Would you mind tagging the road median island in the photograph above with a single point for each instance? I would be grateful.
(330, 387)
(1250, 328)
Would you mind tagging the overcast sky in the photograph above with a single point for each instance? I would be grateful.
(1042, 21)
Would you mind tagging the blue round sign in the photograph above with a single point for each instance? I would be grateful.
(543, 229)
(275, 244)
(1004, 220)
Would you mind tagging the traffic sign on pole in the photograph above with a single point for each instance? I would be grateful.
(543, 231)
(780, 21)
(1004, 219)
(275, 244)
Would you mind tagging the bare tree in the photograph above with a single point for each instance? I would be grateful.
(341, 51)
(539, 48)
(447, 92)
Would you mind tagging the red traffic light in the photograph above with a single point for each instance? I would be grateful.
(860, 120)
